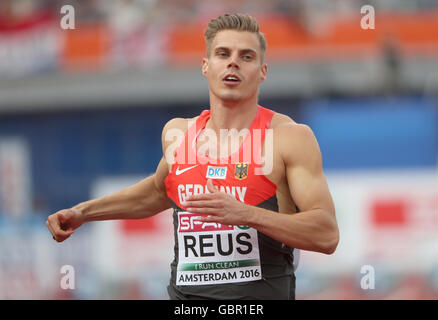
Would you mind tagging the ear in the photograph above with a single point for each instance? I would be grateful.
(204, 66)
(263, 72)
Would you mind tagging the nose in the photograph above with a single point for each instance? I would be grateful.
(233, 62)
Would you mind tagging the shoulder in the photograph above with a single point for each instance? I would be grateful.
(279, 120)
(178, 123)
(283, 124)
(296, 141)
(174, 130)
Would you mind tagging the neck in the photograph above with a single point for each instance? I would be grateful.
(231, 115)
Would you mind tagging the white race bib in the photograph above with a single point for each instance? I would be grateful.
(212, 253)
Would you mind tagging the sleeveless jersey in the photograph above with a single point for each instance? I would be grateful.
(215, 261)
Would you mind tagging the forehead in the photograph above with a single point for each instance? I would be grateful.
(234, 39)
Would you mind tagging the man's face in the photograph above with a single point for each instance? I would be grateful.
(233, 68)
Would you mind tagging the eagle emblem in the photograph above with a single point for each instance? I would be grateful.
(241, 170)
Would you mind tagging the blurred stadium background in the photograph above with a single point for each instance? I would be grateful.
(81, 113)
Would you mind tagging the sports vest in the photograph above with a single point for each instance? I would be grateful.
(215, 261)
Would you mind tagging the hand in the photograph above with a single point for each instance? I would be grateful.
(63, 223)
(220, 207)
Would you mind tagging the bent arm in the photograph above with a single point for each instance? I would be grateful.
(314, 228)
(144, 199)
(141, 200)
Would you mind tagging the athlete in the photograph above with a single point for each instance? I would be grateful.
(243, 209)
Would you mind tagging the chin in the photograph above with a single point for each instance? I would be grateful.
(231, 97)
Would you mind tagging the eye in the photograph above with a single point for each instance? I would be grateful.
(247, 57)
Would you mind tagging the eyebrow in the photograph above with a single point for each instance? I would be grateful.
(246, 50)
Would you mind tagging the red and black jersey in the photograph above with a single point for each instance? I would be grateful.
(216, 261)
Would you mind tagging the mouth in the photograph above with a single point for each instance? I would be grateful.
(231, 80)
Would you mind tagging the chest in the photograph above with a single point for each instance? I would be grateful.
(248, 167)
(239, 180)
(224, 153)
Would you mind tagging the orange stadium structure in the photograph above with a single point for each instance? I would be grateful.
(287, 39)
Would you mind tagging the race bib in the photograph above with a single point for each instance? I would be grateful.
(213, 253)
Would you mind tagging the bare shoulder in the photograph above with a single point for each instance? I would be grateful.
(174, 131)
(279, 120)
(178, 123)
(296, 141)
(288, 129)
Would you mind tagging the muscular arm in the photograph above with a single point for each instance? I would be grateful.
(314, 228)
(141, 200)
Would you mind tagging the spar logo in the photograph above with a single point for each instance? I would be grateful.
(189, 222)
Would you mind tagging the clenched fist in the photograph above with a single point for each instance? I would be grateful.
(63, 223)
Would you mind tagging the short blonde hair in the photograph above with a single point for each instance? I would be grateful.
(237, 21)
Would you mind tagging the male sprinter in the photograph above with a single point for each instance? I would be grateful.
(239, 217)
